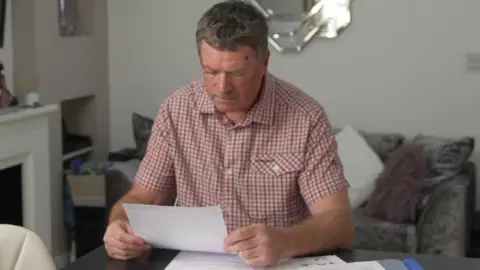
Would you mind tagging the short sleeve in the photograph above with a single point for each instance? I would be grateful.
(156, 172)
(323, 171)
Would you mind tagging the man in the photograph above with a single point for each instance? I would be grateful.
(247, 141)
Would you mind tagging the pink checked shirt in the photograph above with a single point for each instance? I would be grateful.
(268, 169)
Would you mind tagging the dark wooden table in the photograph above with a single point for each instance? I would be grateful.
(159, 259)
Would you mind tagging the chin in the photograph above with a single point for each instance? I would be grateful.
(226, 107)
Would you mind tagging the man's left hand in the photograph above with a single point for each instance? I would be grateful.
(257, 245)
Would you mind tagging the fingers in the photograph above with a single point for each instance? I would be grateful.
(120, 244)
(249, 254)
(243, 245)
(241, 234)
(258, 262)
(256, 257)
(126, 245)
(127, 235)
(252, 257)
(121, 254)
(254, 244)
(123, 251)
(129, 239)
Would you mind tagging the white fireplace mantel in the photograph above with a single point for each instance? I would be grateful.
(13, 114)
(24, 139)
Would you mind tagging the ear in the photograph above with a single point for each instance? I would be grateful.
(266, 61)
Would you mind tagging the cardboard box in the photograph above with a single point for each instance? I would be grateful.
(87, 190)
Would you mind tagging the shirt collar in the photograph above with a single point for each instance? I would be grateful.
(262, 111)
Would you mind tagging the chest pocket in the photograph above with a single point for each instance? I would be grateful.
(271, 191)
(277, 164)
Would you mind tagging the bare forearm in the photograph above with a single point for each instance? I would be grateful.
(325, 232)
(117, 212)
(137, 195)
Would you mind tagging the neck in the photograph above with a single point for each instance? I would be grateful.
(236, 117)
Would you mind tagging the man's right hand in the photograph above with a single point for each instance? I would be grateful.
(122, 243)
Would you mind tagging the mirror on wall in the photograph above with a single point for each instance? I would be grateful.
(75, 17)
(295, 23)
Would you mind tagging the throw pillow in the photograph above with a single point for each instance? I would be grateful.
(382, 143)
(400, 187)
(446, 157)
(361, 165)
(142, 127)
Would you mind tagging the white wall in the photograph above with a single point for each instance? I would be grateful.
(68, 68)
(399, 67)
(6, 53)
(151, 52)
(75, 67)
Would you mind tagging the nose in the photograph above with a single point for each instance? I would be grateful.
(223, 82)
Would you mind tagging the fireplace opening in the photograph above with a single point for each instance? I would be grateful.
(11, 195)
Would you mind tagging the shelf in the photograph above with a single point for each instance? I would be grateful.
(77, 153)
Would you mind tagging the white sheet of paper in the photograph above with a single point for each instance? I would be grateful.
(181, 228)
(210, 261)
(371, 265)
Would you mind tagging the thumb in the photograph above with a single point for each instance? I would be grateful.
(128, 228)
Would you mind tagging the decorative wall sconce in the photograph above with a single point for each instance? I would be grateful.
(294, 23)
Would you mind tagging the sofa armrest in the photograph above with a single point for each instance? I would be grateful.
(118, 181)
(444, 224)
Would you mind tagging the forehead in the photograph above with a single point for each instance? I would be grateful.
(224, 59)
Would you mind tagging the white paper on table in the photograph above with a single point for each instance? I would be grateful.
(370, 265)
(211, 261)
(180, 228)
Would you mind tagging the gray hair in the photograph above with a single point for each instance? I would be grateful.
(230, 24)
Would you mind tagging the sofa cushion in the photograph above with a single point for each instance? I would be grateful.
(446, 157)
(376, 234)
(361, 165)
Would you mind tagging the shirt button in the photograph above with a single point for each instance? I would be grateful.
(228, 171)
(276, 168)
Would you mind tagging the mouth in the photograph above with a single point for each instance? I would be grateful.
(226, 99)
(222, 100)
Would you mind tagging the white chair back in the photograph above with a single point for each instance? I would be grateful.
(22, 249)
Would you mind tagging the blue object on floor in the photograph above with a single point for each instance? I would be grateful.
(412, 264)
(393, 264)
(77, 166)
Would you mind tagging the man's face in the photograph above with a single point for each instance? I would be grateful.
(232, 79)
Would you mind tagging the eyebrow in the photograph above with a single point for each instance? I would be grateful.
(229, 71)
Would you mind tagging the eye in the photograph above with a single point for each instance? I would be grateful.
(209, 72)
(238, 73)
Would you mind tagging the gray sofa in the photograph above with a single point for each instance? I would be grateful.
(444, 217)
